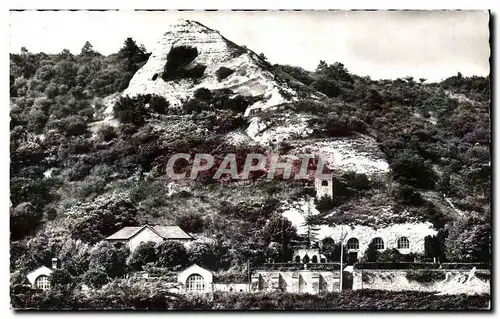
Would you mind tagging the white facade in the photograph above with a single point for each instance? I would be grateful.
(144, 235)
(410, 237)
(301, 281)
(40, 278)
(196, 279)
(324, 188)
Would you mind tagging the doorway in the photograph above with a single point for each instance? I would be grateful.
(352, 258)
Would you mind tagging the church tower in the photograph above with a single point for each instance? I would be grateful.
(324, 187)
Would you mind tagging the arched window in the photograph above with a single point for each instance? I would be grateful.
(314, 259)
(379, 243)
(42, 282)
(297, 259)
(403, 243)
(324, 183)
(305, 260)
(195, 282)
(353, 243)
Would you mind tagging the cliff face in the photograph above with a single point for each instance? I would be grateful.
(249, 76)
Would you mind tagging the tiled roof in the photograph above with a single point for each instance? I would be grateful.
(167, 232)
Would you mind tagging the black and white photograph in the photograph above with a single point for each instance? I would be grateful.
(250, 160)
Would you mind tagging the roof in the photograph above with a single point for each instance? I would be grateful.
(196, 266)
(167, 232)
(40, 271)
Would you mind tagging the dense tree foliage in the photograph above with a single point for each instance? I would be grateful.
(76, 178)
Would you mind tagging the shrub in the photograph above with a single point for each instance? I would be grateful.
(407, 194)
(159, 104)
(223, 73)
(106, 133)
(171, 254)
(24, 219)
(95, 278)
(371, 253)
(324, 204)
(425, 276)
(143, 254)
(191, 223)
(110, 259)
(203, 94)
(131, 110)
(61, 278)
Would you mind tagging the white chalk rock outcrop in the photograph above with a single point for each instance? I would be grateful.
(250, 77)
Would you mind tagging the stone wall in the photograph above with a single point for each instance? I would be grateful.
(301, 281)
(230, 287)
(455, 281)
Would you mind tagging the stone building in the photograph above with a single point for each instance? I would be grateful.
(406, 238)
(133, 236)
(324, 187)
(196, 279)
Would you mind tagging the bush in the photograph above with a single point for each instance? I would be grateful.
(203, 94)
(223, 73)
(143, 254)
(131, 110)
(159, 104)
(408, 195)
(24, 219)
(110, 259)
(95, 278)
(324, 204)
(171, 254)
(425, 276)
(106, 133)
(191, 223)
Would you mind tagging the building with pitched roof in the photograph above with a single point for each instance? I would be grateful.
(133, 236)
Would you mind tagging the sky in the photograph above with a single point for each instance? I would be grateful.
(382, 44)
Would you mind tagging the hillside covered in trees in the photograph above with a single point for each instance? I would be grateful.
(73, 183)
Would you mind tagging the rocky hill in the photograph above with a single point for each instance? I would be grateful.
(91, 134)
(220, 63)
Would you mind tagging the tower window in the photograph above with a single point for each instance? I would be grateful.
(324, 183)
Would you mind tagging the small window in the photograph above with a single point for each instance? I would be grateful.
(195, 282)
(305, 260)
(42, 282)
(314, 259)
(353, 243)
(403, 243)
(379, 243)
(324, 183)
(155, 76)
(297, 259)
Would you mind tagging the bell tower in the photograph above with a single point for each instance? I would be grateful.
(324, 187)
